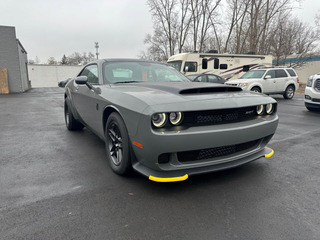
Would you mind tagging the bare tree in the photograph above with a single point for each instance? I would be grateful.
(251, 21)
(202, 15)
(165, 18)
(87, 58)
(158, 47)
(64, 60)
(260, 26)
(177, 23)
(52, 61)
(235, 30)
(184, 26)
(291, 37)
(77, 58)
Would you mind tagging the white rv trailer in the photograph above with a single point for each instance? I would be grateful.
(229, 66)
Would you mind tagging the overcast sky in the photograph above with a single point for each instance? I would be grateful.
(51, 28)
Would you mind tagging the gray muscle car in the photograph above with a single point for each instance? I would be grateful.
(157, 122)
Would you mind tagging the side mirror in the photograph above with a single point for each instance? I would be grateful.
(62, 84)
(81, 80)
(267, 77)
(186, 69)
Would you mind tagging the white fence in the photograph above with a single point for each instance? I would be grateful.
(49, 75)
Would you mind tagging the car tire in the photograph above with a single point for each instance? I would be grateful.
(71, 123)
(256, 89)
(289, 92)
(117, 145)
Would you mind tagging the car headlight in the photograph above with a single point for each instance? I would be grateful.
(310, 81)
(260, 110)
(175, 118)
(159, 119)
(242, 85)
(269, 108)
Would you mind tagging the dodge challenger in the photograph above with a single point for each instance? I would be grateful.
(157, 122)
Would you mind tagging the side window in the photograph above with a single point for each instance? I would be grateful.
(213, 79)
(202, 78)
(281, 73)
(192, 66)
(91, 72)
(272, 73)
(291, 72)
(223, 66)
(216, 63)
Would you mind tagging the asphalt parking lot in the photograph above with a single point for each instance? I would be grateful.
(56, 184)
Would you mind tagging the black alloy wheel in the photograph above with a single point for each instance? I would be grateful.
(117, 145)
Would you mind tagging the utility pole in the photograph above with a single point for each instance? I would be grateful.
(97, 47)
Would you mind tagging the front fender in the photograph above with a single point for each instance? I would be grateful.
(68, 100)
(252, 85)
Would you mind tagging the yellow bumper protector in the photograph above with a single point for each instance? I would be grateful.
(269, 155)
(172, 179)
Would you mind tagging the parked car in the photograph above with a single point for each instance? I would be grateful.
(312, 93)
(276, 80)
(213, 78)
(156, 121)
(64, 83)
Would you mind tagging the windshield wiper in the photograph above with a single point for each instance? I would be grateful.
(127, 82)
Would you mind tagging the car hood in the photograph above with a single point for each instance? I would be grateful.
(243, 80)
(185, 95)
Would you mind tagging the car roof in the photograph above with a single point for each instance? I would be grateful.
(198, 74)
(123, 60)
(271, 68)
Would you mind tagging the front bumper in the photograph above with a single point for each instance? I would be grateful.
(181, 175)
(312, 98)
(149, 144)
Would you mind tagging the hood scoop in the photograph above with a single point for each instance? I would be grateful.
(184, 88)
(207, 90)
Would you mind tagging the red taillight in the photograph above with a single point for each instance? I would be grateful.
(297, 80)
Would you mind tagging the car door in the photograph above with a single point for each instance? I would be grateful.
(281, 80)
(269, 84)
(86, 99)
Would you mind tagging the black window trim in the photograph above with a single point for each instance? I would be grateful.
(91, 64)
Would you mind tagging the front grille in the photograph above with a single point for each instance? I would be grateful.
(232, 84)
(315, 100)
(221, 116)
(317, 84)
(204, 154)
